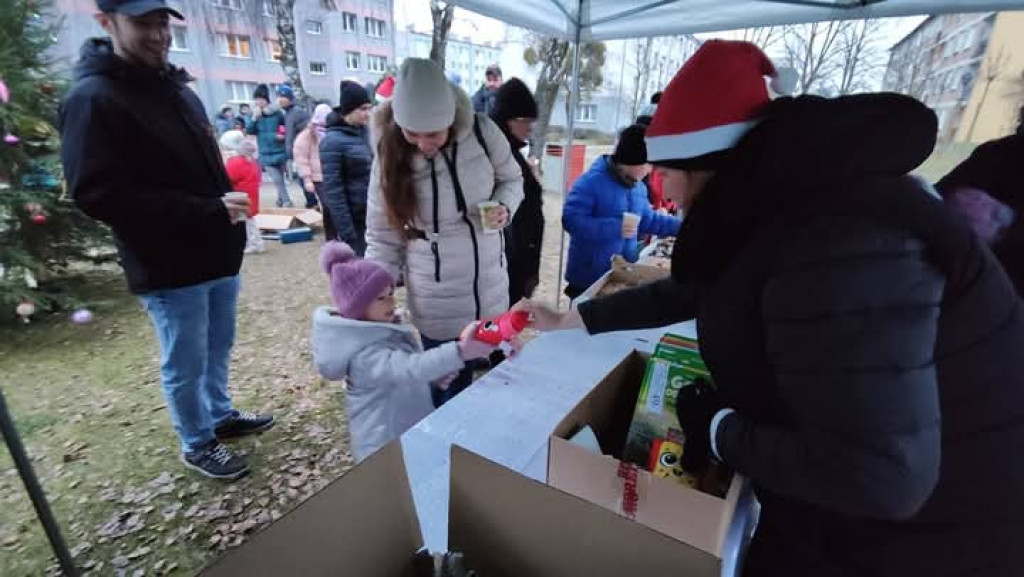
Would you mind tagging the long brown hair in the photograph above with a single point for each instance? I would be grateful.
(396, 183)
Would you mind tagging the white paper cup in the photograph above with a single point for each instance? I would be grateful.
(485, 209)
(631, 219)
(238, 196)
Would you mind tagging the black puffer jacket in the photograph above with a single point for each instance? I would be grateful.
(346, 158)
(524, 237)
(868, 342)
(139, 155)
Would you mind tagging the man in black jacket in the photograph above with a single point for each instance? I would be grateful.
(864, 344)
(483, 100)
(514, 112)
(139, 156)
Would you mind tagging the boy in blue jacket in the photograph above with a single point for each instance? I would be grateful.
(593, 213)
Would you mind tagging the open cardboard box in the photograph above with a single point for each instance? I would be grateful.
(698, 520)
(507, 525)
(278, 219)
(624, 272)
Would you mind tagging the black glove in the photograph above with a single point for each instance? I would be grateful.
(696, 406)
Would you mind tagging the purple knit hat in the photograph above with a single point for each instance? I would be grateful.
(355, 283)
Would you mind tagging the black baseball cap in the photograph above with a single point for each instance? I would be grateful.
(136, 7)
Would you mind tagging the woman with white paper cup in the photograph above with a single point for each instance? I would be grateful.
(442, 180)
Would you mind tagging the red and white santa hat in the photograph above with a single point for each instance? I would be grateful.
(714, 99)
(385, 90)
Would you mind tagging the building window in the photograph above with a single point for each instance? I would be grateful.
(374, 27)
(352, 60)
(179, 39)
(314, 27)
(229, 4)
(239, 91)
(586, 113)
(273, 50)
(349, 22)
(268, 8)
(376, 63)
(317, 68)
(233, 45)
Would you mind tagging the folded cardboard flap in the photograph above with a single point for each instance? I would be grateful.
(511, 526)
(362, 524)
(687, 515)
(275, 222)
(285, 218)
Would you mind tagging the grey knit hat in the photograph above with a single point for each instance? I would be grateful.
(423, 101)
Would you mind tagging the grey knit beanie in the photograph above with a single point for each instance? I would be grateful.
(423, 101)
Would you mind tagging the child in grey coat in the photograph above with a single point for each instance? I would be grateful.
(389, 375)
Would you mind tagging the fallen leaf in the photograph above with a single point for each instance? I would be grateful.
(120, 562)
(140, 552)
(164, 478)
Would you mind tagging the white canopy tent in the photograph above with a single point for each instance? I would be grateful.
(610, 19)
(595, 20)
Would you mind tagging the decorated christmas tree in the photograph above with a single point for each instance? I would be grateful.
(43, 237)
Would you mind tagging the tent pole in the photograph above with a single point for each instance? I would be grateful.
(570, 128)
(35, 490)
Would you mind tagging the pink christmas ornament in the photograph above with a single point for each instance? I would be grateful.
(5, 94)
(11, 139)
(81, 316)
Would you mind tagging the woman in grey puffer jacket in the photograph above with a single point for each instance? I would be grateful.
(345, 156)
(436, 162)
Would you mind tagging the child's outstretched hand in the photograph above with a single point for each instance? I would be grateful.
(470, 348)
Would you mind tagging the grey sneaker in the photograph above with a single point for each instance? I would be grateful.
(217, 462)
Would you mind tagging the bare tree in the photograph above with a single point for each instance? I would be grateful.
(811, 50)
(859, 55)
(554, 56)
(992, 71)
(442, 12)
(642, 55)
(765, 37)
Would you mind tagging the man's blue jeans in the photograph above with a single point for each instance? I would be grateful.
(195, 326)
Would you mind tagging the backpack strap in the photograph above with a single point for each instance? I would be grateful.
(480, 135)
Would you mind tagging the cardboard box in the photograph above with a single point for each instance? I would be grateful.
(507, 525)
(691, 517)
(278, 219)
(624, 272)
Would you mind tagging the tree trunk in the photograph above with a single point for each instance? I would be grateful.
(285, 24)
(442, 17)
(545, 95)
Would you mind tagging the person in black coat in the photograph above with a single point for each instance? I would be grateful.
(994, 168)
(514, 112)
(864, 343)
(346, 158)
(139, 155)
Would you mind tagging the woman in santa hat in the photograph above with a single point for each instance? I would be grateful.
(865, 345)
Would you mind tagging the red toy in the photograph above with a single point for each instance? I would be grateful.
(505, 328)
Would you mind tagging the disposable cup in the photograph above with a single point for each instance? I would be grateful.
(238, 196)
(631, 219)
(486, 208)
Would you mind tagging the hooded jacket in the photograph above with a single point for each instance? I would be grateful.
(867, 340)
(592, 216)
(346, 157)
(139, 155)
(296, 119)
(266, 127)
(462, 275)
(388, 375)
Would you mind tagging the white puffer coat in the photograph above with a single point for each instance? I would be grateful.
(467, 279)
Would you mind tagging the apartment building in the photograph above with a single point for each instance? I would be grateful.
(969, 68)
(230, 48)
(465, 57)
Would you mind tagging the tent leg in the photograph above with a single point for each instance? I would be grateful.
(570, 128)
(35, 490)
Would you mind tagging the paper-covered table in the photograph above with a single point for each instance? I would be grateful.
(508, 415)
